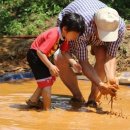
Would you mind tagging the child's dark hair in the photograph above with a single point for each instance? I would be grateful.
(73, 22)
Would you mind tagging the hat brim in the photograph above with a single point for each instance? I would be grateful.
(106, 36)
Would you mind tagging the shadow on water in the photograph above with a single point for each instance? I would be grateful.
(62, 102)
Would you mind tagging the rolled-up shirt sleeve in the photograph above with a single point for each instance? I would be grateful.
(79, 49)
(82, 53)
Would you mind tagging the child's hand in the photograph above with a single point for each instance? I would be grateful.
(77, 67)
(54, 71)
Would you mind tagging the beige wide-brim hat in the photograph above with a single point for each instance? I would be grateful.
(107, 22)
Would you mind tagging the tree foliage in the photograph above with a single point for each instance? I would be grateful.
(122, 6)
(28, 17)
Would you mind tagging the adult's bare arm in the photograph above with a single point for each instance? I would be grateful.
(90, 72)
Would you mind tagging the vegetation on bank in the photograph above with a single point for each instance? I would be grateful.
(122, 6)
(30, 17)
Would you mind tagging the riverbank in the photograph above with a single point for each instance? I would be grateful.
(13, 54)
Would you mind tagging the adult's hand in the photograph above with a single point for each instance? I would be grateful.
(77, 67)
(106, 89)
(114, 82)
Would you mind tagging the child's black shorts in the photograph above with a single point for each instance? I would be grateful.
(39, 69)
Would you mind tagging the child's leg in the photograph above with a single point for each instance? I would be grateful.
(46, 94)
(43, 78)
(34, 101)
(36, 95)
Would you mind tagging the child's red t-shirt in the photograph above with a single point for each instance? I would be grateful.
(48, 42)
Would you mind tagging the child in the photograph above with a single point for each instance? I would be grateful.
(42, 49)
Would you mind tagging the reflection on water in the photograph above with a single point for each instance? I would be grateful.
(58, 101)
(61, 102)
(64, 102)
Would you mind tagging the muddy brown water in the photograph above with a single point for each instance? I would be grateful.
(15, 115)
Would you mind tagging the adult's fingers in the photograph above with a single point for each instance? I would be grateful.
(115, 86)
(104, 91)
(112, 91)
(113, 94)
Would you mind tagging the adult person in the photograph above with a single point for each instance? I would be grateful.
(104, 32)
